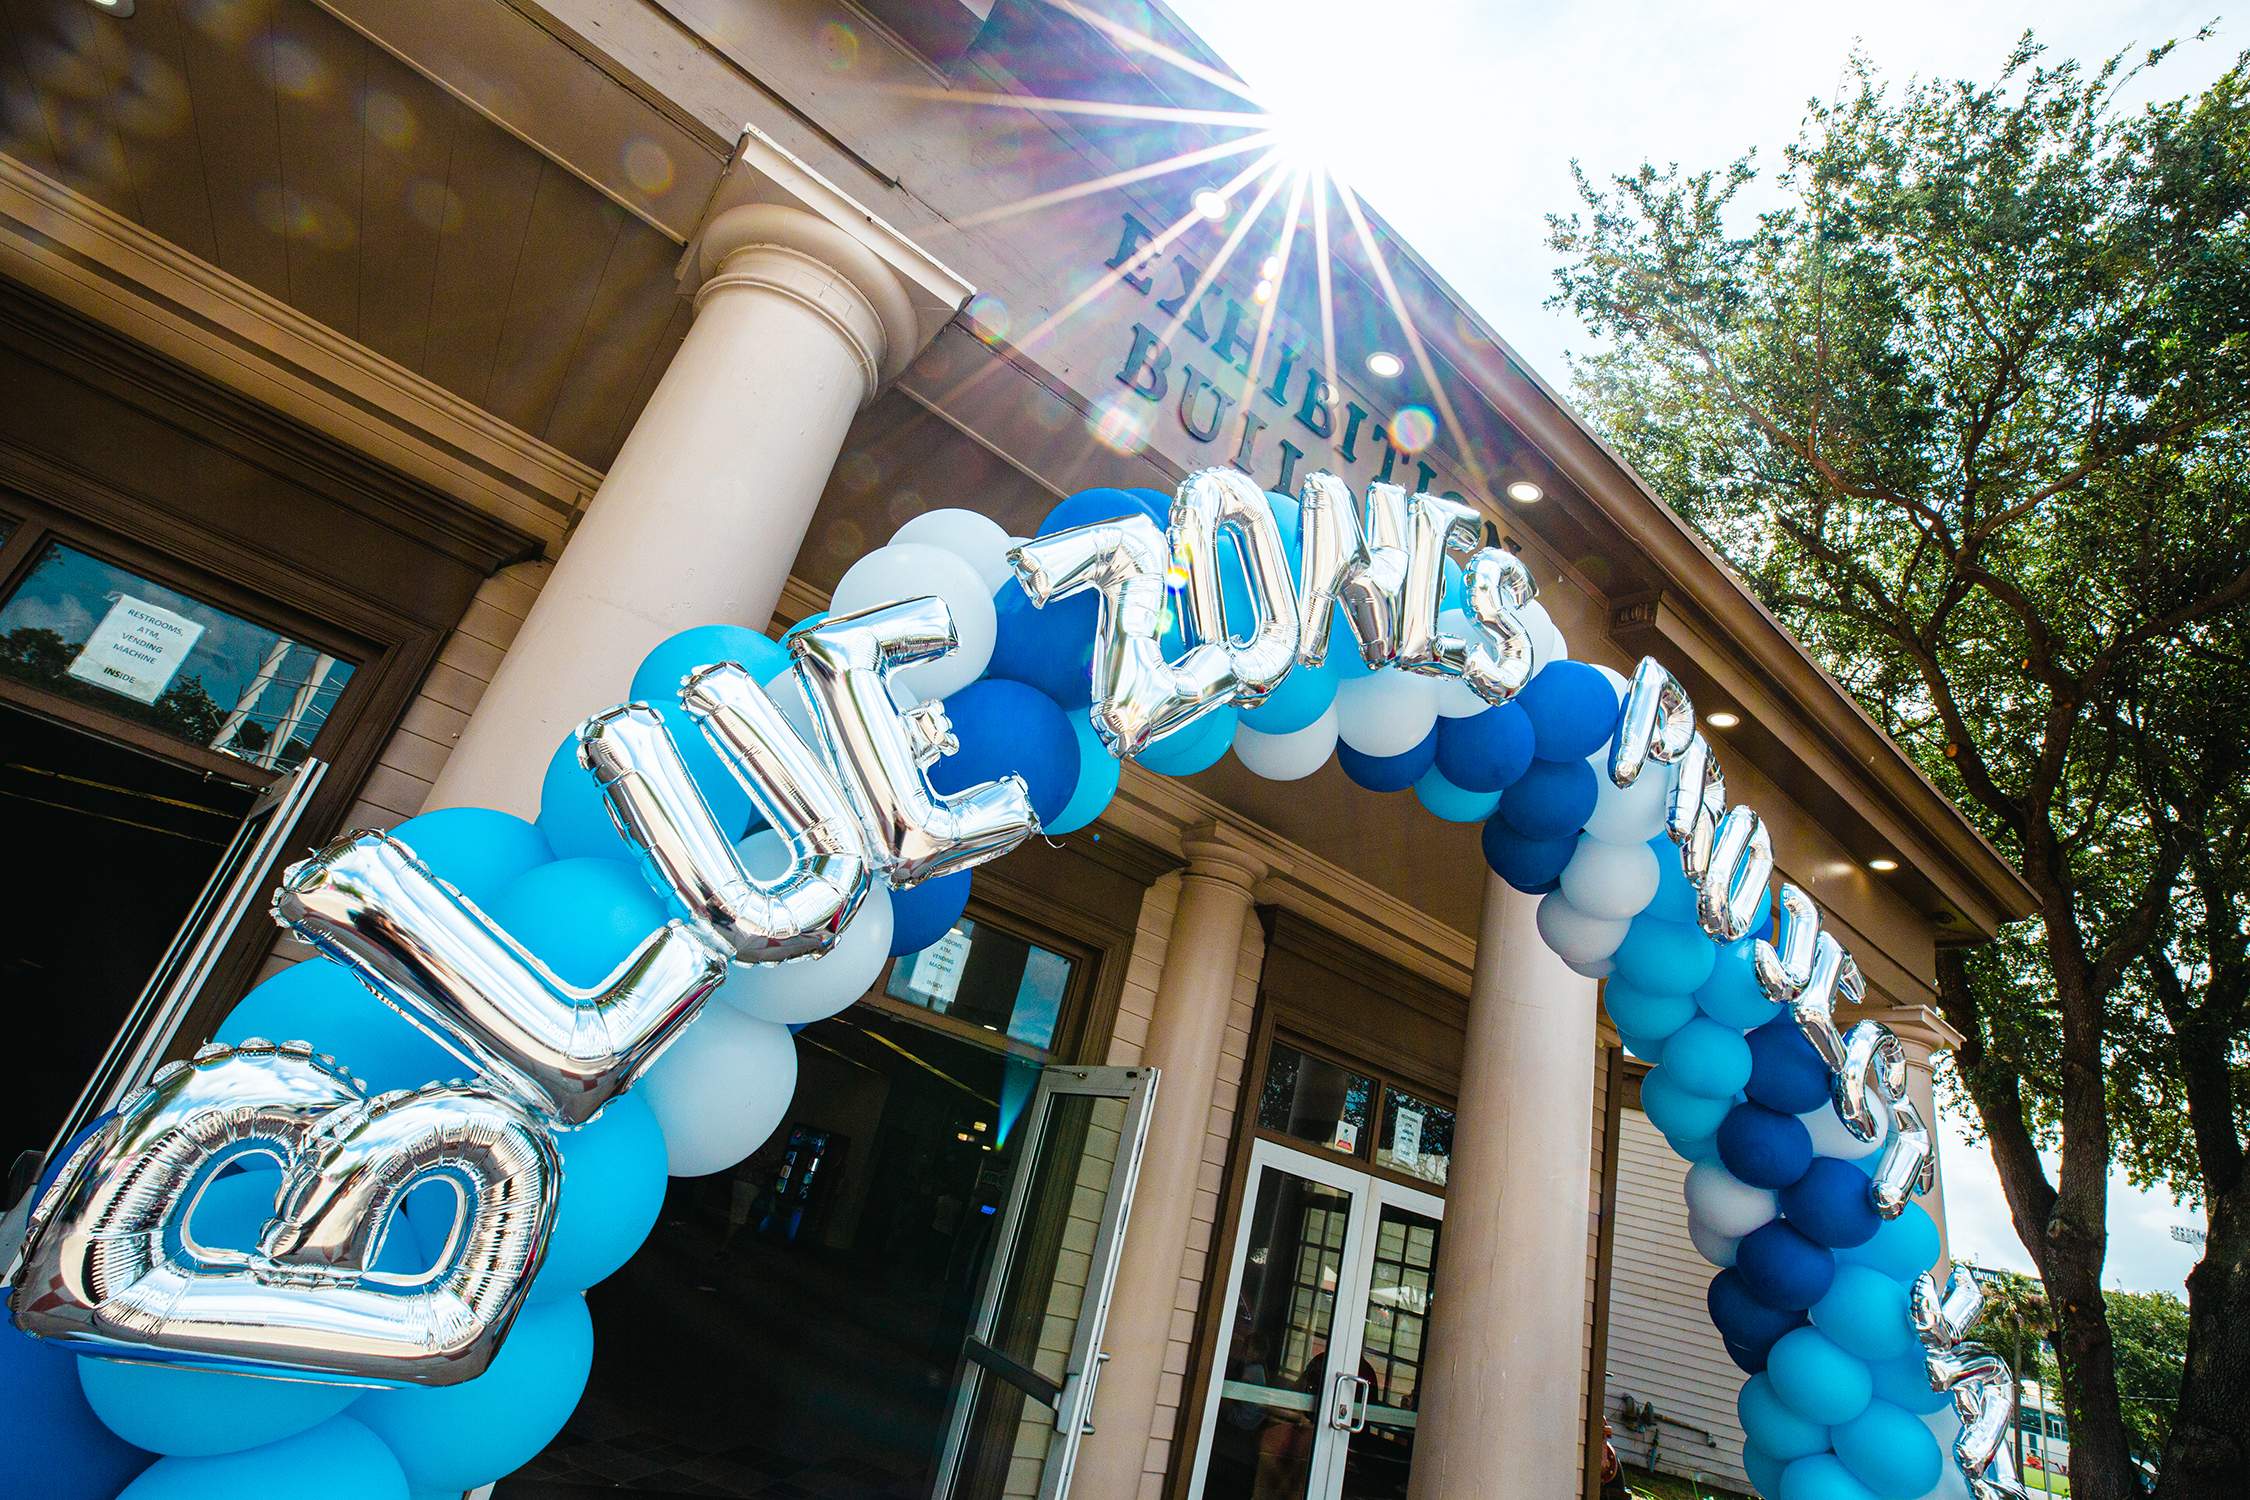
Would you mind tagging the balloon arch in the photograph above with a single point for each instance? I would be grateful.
(412, 1255)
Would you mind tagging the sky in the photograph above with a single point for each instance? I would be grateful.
(1458, 121)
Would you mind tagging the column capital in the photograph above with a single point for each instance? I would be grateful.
(775, 223)
(1924, 1031)
(1224, 856)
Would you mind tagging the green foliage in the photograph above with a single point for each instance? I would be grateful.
(2151, 1329)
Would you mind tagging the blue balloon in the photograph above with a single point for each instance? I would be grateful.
(1768, 1422)
(338, 1460)
(1658, 955)
(1533, 866)
(1764, 1147)
(1198, 747)
(1388, 773)
(1343, 649)
(1304, 695)
(1889, 1450)
(1902, 1249)
(1784, 1269)
(320, 1002)
(1051, 649)
(1820, 1477)
(1742, 1317)
(1786, 1074)
(1732, 995)
(1764, 1469)
(573, 818)
(657, 682)
(1706, 1058)
(458, 1437)
(1675, 898)
(1487, 751)
(1550, 800)
(1445, 800)
(1832, 1204)
(1090, 506)
(582, 917)
(1654, 1014)
(1748, 1358)
(1677, 1111)
(47, 1427)
(476, 850)
(1008, 727)
(1098, 771)
(1904, 1379)
(612, 1190)
(924, 913)
(1694, 1148)
(1867, 1314)
(172, 1408)
(1572, 708)
(1820, 1381)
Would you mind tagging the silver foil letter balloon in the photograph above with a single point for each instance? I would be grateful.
(1361, 567)
(660, 812)
(1496, 660)
(1212, 501)
(1982, 1383)
(1657, 721)
(877, 753)
(430, 954)
(112, 1261)
(1732, 891)
(1139, 696)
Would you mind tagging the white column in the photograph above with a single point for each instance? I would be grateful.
(1501, 1411)
(1925, 1033)
(804, 306)
(1185, 1033)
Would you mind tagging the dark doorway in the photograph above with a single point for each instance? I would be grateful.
(111, 847)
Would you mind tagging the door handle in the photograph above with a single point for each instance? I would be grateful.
(1093, 1384)
(1347, 1406)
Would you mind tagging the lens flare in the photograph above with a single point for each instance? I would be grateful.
(1413, 428)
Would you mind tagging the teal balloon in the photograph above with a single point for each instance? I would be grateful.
(1888, 1449)
(338, 1460)
(1773, 1425)
(583, 917)
(657, 682)
(573, 818)
(1343, 649)
(175, 1409)
(1902, 1249)
(1821, 1381)
(1904, 1381)
(1098, 771)
(1680, 1113)
(1674, 957)
(1447, 801)
(1821, 1477)
(457, 1437)
(1652, 1015)
(320, 1002)
(1304, 695)
(1198, 747)
(612, 1190)
(1706, 1058)
(45, 1420)
(1865, 1312)
(1764, 1470)
(1732, 995)
(476, 850)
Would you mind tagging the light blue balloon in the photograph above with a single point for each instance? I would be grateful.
(583, 917)
(1678, 1112)
(612, 1190)
(1764, 1470)
(1865, 1312)
(1889, 1450)
(1820, 1381)
(1694, 1148)
(1343, 650)
(657, 682)
(1451, 803)
(1821, 1477)
(1650, 1014)
(1706, 1058)
(172, 1408)
(457, 1437)
(1904, 1381)
(1198, 747)
(1902, 1249)
(1098, 771)
(572, 816)
(338, 1460)
(476, 850)
(320, 1002)
(1304, 695)
(1773, 1425)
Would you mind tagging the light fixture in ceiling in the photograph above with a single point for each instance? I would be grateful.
(1722, 719)
(1385, 365)
(1525, 492)
(1882, 864)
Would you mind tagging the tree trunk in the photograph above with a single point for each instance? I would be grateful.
(2100, 1465)
(2208, 1454)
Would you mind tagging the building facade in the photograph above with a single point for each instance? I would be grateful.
(388, 376)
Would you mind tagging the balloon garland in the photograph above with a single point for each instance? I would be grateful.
(413, 1255)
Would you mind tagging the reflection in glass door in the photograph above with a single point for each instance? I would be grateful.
(1318, 1387)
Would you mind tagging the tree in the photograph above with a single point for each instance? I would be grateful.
(1968, 409)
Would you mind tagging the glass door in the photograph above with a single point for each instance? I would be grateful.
(1317, 1389)
(1032, 1358)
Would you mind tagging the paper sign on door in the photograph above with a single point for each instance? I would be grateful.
(136, 650)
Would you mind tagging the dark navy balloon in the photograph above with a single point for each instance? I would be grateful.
(1533, 866)
(1782, 1268)
(1389, 773)
(1051, 649)
(1764, 1147)
(1572, 708)
(923, 914)
(1551, 800)
(1484, 752)
(1785, 1073)
(1832, 1204)
(1743, 1317)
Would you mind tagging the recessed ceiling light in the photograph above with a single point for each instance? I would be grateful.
(1385, 364)
(1211, 203)
(1525, 491)
(1882, 866)
(1722, 719)
(118, 8)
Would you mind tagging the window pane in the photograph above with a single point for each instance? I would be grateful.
(89, 630)
(1417, 1137)
(1315, 1100)
(987, 977)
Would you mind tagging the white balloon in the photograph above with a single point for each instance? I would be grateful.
(810, 989)
(910, 570)
(720, 1090)
(1600, 968)
(1455, 698)
(1632, 814)
(976, 539)
(1546, 641)
(1945, 1426)
(1726, 1204)
(1610, 880)
(1387, 712)
(1616, 680)
(1577, 936)
(1288, 757)
(1711, 1245)
(1952, 1484)
(1832, 1137)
